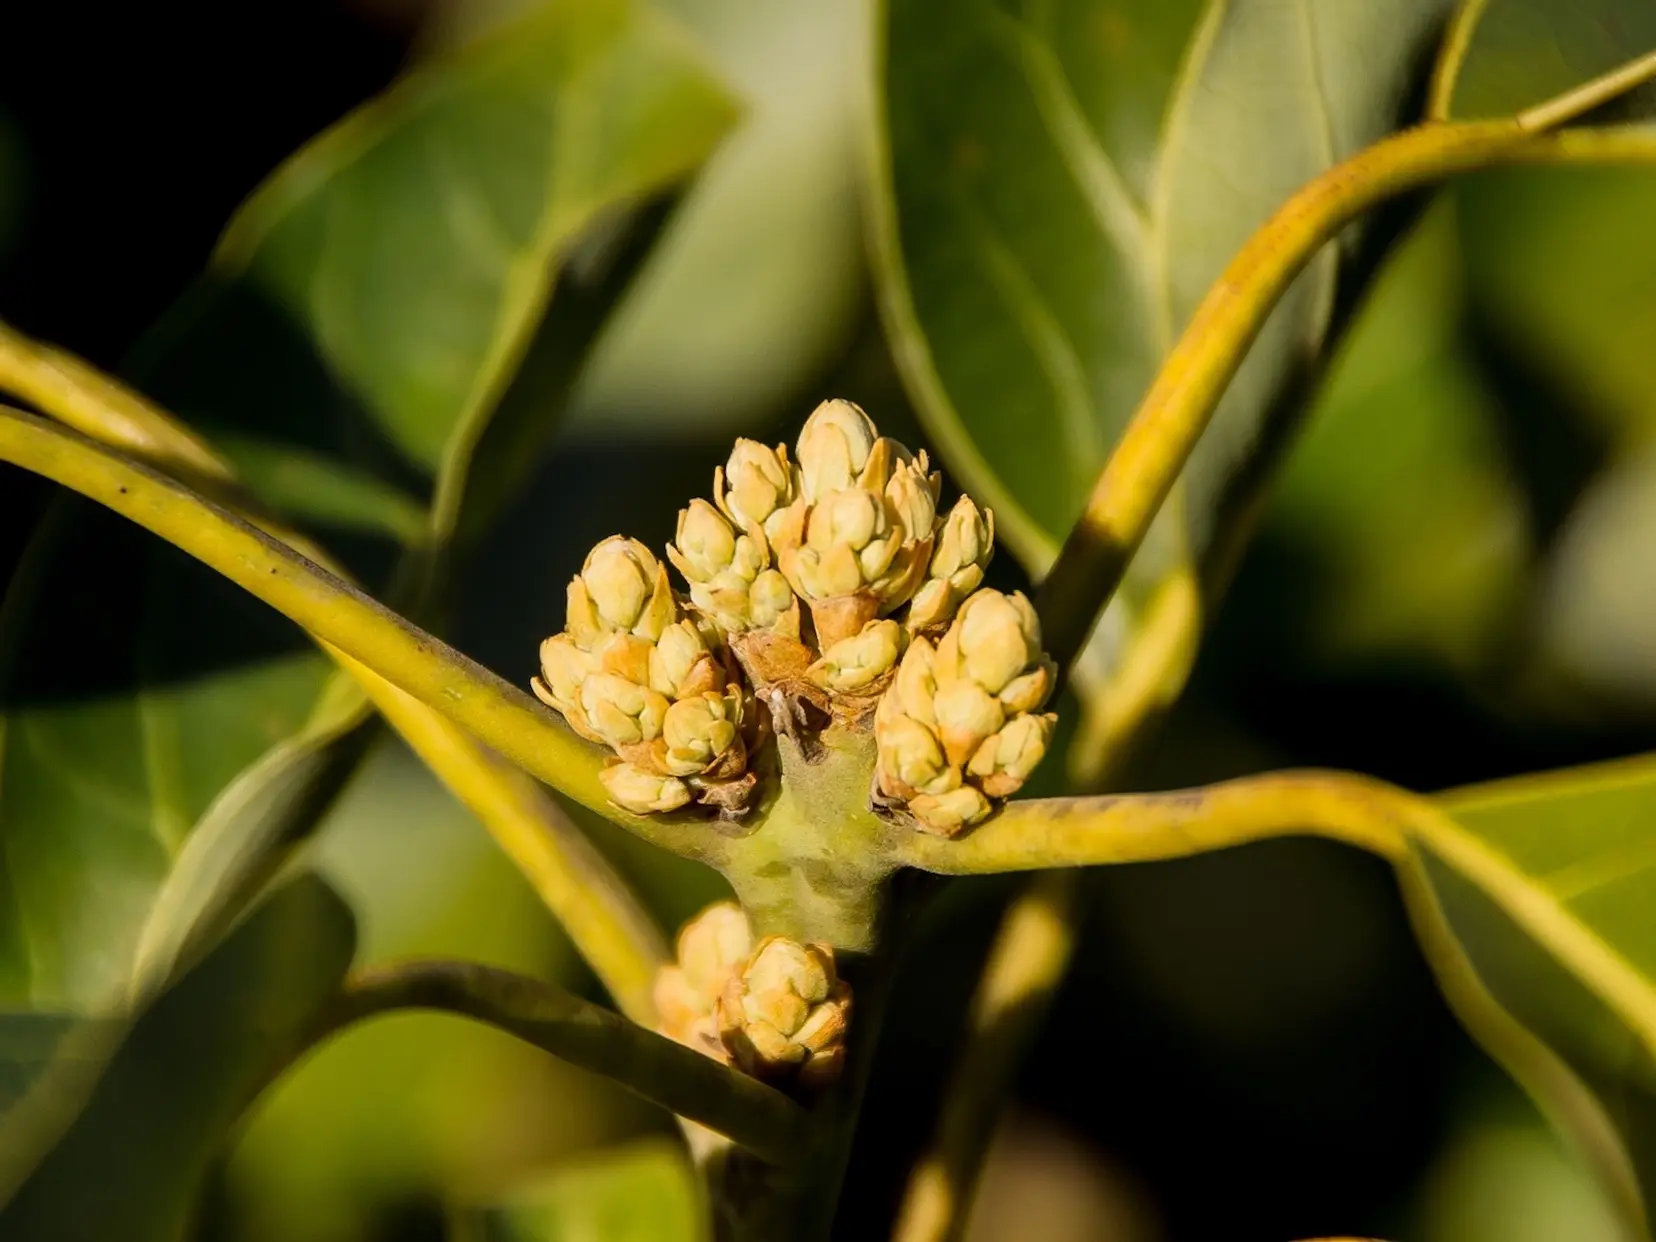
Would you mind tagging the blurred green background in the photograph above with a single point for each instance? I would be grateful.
(1452, 582)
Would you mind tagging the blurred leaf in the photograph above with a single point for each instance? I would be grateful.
(1546, 883)
(417, 1107)
(1562, 261)
(1057, 189)
(1405, 413)
(416, 243)
(646, 1193)
(1597, 617)
(1525, 51)
(131, 1162)
(135, 686)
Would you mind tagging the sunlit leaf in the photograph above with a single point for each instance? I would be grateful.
(1056, 187)
(1545, 884)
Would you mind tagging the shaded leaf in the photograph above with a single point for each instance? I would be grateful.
(1059, 184)
(645, 1193)
(135, 1143)
(1406, 412)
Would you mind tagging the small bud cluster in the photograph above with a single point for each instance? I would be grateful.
(827, 576)
(634, 672)
(777, 1010)
(960, 724)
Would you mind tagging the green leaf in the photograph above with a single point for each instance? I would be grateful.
(1057, 185)
(415, 245)
(646, 1193)
(139, 1127)
(374, 301)
(134, 688)
(1545, 884)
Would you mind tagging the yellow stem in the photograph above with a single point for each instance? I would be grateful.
(608, 925)
(338, 615)
(1116, 828)
(1153, 449)
(1457, 41)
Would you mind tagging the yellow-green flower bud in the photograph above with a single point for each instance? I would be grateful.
(698, 732)
(965, 542)
(957, 726)
(784, 1015)
(642, 791)
(994, 639)
(711, 948)
(911, 758)
(681, 665)
(853, 664)
(834, 449)
(622, 712)
(755, 485)
(564, 666)
(1003, 762)
(946, 814)
(729, 572)
(622, 589)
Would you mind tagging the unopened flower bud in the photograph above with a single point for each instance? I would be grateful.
(855, 663)
(834, 448)
(946, 814)
(728, 571)
(711, 948)
(783, 1017)
(858, 551)
(1003, 762)
(958, 724)
(681, 665)
(622, 712)
(965, 542)
(755, 484)
(700, 731)
(622, 588)
(642, 791)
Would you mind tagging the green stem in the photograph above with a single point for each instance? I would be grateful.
(419, 664)
(1153, 449)
(1115, 828)
(608, 924)
(759, 1118)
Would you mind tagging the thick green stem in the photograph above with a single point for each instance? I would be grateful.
(762, 1120)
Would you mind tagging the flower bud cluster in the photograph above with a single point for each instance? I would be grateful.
(960, 724)
(777, 1009)
(632, 671)
(830, 578)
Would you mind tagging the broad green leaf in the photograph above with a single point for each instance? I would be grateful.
(415, 245)
(138, 1142)
(1058, 184)
(1546, 884)
(135, 688)
(646, 1193)
(372, 303)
